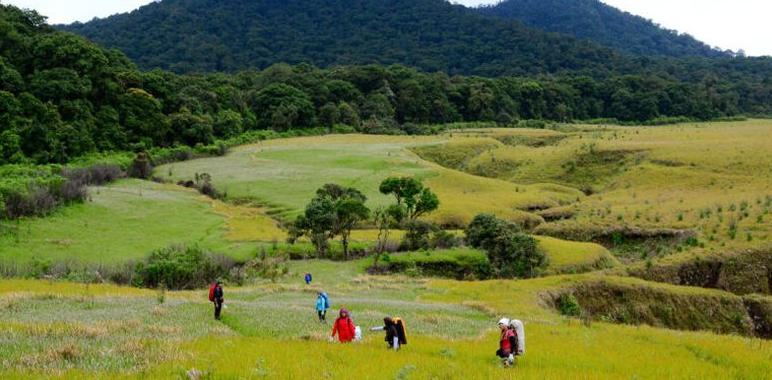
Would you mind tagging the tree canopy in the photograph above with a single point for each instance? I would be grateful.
(62, 97)
(601, 23)
(334, 211)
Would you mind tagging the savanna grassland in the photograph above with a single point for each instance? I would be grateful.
(66, 330)
(618, 211)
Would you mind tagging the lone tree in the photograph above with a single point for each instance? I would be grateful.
(335, 210)
(511, 252)
(411, 195)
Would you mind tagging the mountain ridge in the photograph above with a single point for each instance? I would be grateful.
(604, 24)
(432, 35)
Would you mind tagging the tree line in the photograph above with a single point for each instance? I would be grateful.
(62, 97)
(337, 210)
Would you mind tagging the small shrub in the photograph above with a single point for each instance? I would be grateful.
(568, 305)
(418, 235)
(179, 267)
(269, 267)
(141, 166)
(443, 239)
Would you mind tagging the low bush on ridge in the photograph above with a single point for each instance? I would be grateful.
(36, 191)
(461, 264)
(181, 267)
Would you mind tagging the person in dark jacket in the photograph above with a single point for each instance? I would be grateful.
(308, 278)
(395, 332)
(218, 300)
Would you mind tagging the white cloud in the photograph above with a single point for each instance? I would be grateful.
(67, 11)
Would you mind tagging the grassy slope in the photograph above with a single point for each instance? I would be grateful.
(284, 174)
(77, 331)
(704, 176)
(121, 222)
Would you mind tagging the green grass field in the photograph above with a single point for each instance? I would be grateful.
(715, 179)
(65, 330)
(284, 175)
(123, 221)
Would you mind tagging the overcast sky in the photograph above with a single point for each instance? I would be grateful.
(728, 24)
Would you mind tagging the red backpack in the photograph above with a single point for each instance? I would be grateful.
(211, 291)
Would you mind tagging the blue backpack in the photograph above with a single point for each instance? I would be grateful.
(326, 301)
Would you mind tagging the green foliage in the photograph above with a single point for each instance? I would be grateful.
(462, 264)
(512, 253)
(411, 195)
(604, 24)
(417, 234)
(62, 97)
(335, 210)
(179, 267)
(568, 305)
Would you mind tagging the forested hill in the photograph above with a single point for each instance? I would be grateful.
(62, 97)
(601, 23)
(432, 35)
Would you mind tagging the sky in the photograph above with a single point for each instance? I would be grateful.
(728, 24)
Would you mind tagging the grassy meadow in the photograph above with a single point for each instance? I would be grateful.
(714, 179)
(65, 330)
(125, 221)
(283, 174)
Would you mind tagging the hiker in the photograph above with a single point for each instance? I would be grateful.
(322, 304)
(396, 335)
(507, 343)
(216, 296)
(308, 278)
(344, 327)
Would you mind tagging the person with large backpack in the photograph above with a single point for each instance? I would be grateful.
(507, 343)
(321, 306)
(396, 333)
(343, 327)
(216, 296)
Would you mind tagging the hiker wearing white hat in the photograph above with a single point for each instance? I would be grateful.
(507, 342)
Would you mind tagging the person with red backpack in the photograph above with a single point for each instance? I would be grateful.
(343, 327)
(216, 296)
(507, 343)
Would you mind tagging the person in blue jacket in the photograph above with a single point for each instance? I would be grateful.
(321, 307)
(308, 278)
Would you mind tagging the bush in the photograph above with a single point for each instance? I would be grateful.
(511, 253)
(180, 267)
(141, 166)
(417, 235)
(443, 240)
(268, 267)
(459, 264)
(568, 305)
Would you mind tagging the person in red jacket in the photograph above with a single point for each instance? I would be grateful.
(507, 343)
(343, 327)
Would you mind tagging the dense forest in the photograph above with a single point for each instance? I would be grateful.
(604, 24)
(433, 35)
(62, 97)
(187, 36)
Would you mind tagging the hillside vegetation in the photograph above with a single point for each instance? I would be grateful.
(63, 97)
(603, 24)
(712, 179)
(628, 251)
